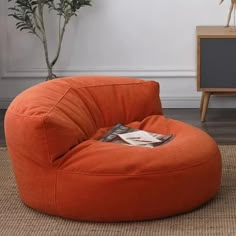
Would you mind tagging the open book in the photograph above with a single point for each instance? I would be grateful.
(129, 136)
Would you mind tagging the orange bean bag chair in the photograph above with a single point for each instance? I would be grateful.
(62, 169)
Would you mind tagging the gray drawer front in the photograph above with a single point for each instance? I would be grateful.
(218, 62)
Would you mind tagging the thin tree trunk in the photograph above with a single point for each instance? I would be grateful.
(59, 44)
(51, 64)
(45, 45)
(51, 75)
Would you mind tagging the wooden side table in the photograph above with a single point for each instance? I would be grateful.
(216, 63)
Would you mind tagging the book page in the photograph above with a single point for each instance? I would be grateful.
(119, 134)
(139, 138)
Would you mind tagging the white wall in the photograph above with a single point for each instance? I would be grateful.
(152, 39)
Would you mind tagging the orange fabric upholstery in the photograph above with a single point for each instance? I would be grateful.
(61, 169)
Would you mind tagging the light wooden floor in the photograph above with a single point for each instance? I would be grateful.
(220, 123)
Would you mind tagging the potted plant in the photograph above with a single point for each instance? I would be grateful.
(29, 15)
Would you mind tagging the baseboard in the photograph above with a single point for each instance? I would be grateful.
(194, 102)
(180, 102)
(127, 72)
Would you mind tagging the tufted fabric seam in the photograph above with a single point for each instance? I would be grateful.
(115, 84)
(59, 100)
(47, 113)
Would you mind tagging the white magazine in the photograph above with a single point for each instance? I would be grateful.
(139, 138)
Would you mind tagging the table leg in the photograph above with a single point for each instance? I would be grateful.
(205, 102)
(201, 103)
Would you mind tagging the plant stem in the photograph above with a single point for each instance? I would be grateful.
(59, 44)
(50, 65)
(51, 75)
(37, 26)
(45, 45)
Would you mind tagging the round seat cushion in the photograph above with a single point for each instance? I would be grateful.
(99, 181)
(52, 131)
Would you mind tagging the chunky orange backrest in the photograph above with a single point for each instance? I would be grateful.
(48, 119)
